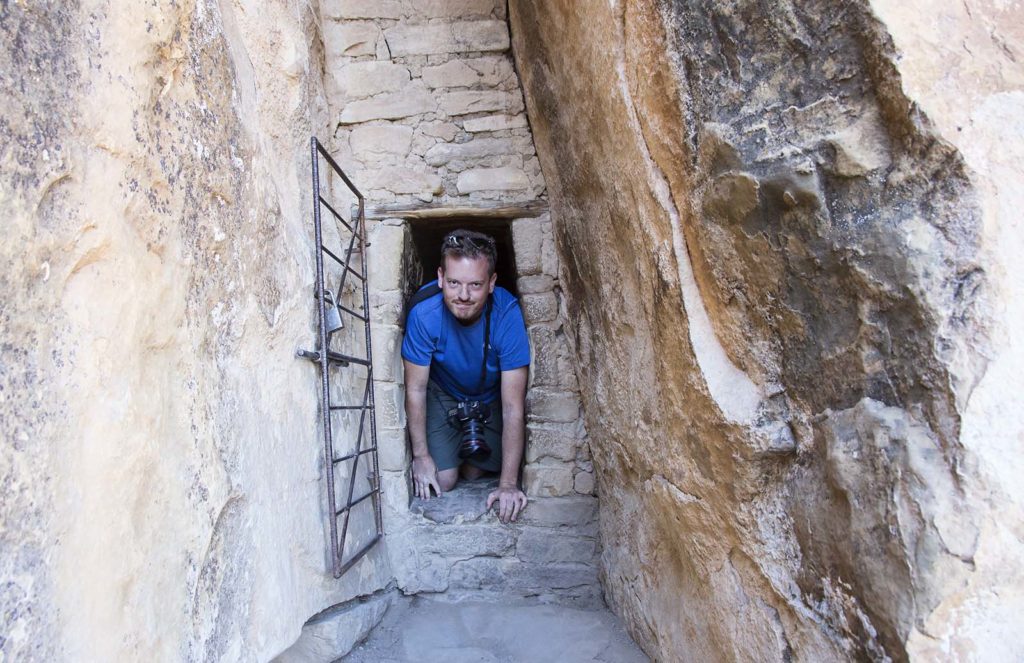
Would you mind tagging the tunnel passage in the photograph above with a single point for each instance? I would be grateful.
(451, 547)
(426, 236)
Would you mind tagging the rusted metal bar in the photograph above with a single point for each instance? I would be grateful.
(359, 554)
(375, 475)
(343, 264)
(354, 314)
(348, 507)
(323, 355)
(353, 455)
(355, 461)
(325, 358)
(334, 212)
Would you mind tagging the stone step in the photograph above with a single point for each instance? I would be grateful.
(459, 548)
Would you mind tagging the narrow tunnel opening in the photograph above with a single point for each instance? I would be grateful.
(421, 263)
(426, 235)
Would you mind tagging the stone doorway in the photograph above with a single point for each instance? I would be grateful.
(451, 547)
(476, 585)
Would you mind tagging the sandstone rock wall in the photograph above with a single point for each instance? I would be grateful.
(427, 102)
(787, 236)
(160, 474)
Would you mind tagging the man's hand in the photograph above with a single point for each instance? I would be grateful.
(510, 501)
(424, 475)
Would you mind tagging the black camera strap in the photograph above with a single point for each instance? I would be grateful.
(429, 290)
(487, 344)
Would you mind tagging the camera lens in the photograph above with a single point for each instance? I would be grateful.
(473, 446)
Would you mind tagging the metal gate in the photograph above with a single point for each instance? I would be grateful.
(338, 356)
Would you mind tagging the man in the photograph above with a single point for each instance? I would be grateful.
(466, 343)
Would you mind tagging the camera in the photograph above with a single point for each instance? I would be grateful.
(471, 416)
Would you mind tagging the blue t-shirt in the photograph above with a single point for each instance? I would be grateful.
(454, 352)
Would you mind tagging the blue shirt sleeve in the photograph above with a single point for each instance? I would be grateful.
(418, 345)
(511, 341)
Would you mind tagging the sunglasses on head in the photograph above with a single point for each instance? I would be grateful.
(464, 241)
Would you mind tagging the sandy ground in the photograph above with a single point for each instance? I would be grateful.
(424, 629)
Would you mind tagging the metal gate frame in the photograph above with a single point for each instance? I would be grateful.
(327, 358)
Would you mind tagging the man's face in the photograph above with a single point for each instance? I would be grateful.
(465, 284)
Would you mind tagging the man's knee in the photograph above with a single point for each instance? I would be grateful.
(470, 472)
(448, 478)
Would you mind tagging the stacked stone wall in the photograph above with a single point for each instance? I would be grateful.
(426, 101)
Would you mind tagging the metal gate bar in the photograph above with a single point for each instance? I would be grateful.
(326, 358)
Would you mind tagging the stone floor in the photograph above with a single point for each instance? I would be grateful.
(422, 629)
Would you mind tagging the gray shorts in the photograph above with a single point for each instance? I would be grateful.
(443, 439)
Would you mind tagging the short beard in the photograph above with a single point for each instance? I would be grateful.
(474, 316)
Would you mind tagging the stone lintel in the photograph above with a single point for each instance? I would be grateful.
(495, 210)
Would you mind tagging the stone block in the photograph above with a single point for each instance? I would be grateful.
(488, 71)
(350, 9)
(464, 102)
(513, 578)
(549, 256)
(584, 449)
(492, 179)
(527, 242)
(402, 180)
(421, 143)
(548, 480)
(554, 406)
(463, 541)
(551, 362)
(392, 449)
(541, 307)
(422, 573)
(454, 73)
(479, 573)
(544, 546)
(376, 140)
(384, 271)
(365, 79)
(532, 170)
(494, 123)
(455, 37)
(387, 353)
(446, 131)
(583, 483)
(334, 632)
(389, 401)
(395, 493)
(575, 511)
(350, 39)
(386, 307)
(534, 284)
(556, 441)
(548, 577)
(390, 106)
(442, 153)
